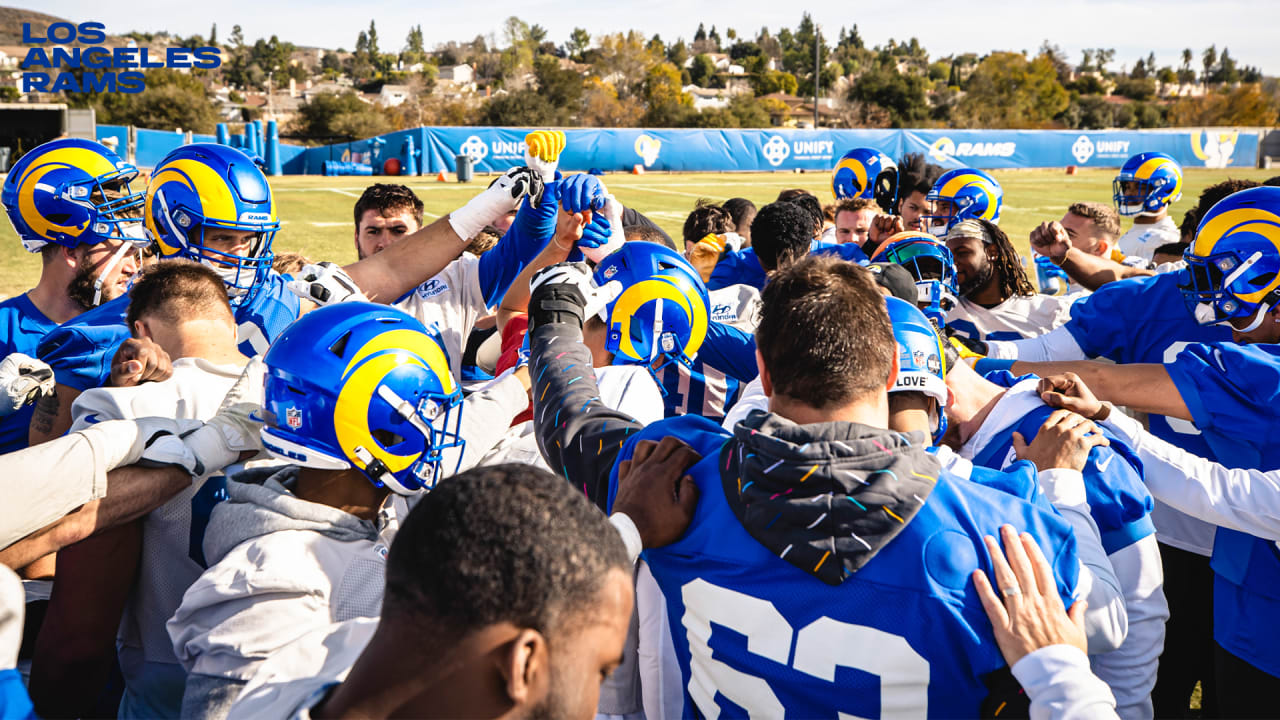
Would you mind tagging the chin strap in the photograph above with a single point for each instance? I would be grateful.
(106, 270)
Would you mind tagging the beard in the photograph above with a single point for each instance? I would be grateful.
(976, 281)
(554, 705)
(80, 289)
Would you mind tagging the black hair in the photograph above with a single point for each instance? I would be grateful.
(705, 219)
(742, 211)
(500, 543)
(387, 198)
(781, 233)
(812, 206)
(916, 174)
(1007, 264)
(649, 233)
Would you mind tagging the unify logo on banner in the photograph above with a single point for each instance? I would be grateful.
(944, 149)
(1085, 148)
(477, 149)
(777, 150)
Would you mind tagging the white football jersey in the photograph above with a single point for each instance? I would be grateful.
(167, 568)
(451, 301)
(1021, 316)
(736, 305)
(1142, 240)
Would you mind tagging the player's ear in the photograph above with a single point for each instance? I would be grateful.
(525, 667)
(893, 371)
(766, 382)
(141, 330)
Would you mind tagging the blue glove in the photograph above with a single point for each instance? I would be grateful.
(596, 232)
(581, 192)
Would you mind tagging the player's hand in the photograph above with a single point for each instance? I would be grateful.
(704, 254)
(655, 492)
(23, 380)
(233, 433)
(502, 197)
(569, 229)
(884, 227)
(558, 294)
(516, 185)
(542, 152)
(1051, 240)
(325, 283)
(1069, 392)
(582, 192)
(162, 444)
(137, 361)
(605, 233)
(1064, 442)
(971, 351)
(1028, 614)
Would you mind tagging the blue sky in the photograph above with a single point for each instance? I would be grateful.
(1133, 28)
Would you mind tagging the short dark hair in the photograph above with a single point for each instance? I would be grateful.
(742, 211)
(706, 218)
(1173, 248)
(649, 233)
(500, 543)
(1209, 197)
(855, 204)
(781, 233)
(176, 290)
(824, 332)
(1102, 215)
(484, 241)
(916, 174)
(388, 199)
(812, 206)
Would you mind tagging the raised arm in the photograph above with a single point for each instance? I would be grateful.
(1090, 271)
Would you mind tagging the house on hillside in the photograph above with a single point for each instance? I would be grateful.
(393, 95)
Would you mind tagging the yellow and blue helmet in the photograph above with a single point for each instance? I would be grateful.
(366, 386)
(866, 173)
(72, 192)
(932, 265)
(1233, 265)
(971, 193)
(1155, 180)
(661, 312)
(922, 361)
(206, 187)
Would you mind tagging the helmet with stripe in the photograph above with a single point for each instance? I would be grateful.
(1233, 265)
(922, 361)
(931, 264)
(866, 173)
(72, 192)
(365, 386)
(201, 189)
(660, 310)
(967, 193)
(1147, 183)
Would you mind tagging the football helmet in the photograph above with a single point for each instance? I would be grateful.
(660, 311)
(1233, 265)
(205, 187)
(970, 193)
(366, 386)
(866, 173)
(922, 363)
(1158, 181)
(931, 264)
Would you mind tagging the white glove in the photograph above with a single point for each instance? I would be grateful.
(23, 380)
(542, 150)
(578, 275)
(613, 213)
(125, 442)
(235, 428)
(325, 283)
(500, 198)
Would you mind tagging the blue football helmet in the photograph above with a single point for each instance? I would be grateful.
(1155, 181)
(866, 173)
(1233, 265)
(366, 386)
(661, 311)
(970, 193)
(922, 364)
(931, 264)
(201, 188)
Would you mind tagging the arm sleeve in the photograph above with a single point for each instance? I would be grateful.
(94, 406)
(579, 437)
(527, 236)
(80, 467)
(1240, 499)
(1106, 621)
(1060, 685)
(1058, 344)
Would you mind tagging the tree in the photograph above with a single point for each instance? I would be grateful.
(713, 39)
(1209, 60)
(1185, 74)
(601, 106)
(171, 100)
(678, 53)
(1059, 60)
(414, 52)
(561, 88)
(1136, 88)
(1243, 105)
(522, 107)
(702, 72)
(1086, 60)
(666, 104)
(1008, 91)
(579, 41)
(332, 114)
(774, 81)
(1139, 71)
(901, 96)
(213, 35)
(1104, 57)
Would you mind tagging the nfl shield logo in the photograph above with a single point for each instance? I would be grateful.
(293, 418)
(610, 271)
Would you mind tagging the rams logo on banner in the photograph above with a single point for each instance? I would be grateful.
(648, 147)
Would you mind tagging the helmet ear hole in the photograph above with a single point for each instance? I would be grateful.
(387, 438)
(1262, 280)
(339, 347)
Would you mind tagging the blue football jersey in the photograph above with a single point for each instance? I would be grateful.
(737, 267)
(1232, 391)
(725, 362)
(22, 326)
(905, 634)
(845, 251)
(80, 350)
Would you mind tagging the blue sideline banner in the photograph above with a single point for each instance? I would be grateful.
(1058, 148)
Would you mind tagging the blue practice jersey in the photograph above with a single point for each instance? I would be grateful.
(755, 635)
(1232, 392)
(737, 267)
(80, 350)
(845, 251)
(22, 326)
(725, 363)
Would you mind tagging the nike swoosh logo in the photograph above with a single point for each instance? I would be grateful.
(1103, 463)
(92, 418)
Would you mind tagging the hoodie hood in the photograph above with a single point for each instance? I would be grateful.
(259, 502)
(825, 497)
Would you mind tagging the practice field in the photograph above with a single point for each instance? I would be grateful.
(317, 211)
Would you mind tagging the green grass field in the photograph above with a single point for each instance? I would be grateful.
(316, 211)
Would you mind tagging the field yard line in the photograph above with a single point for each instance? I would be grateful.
(342, 189)
(645, 188)
(343, 192)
